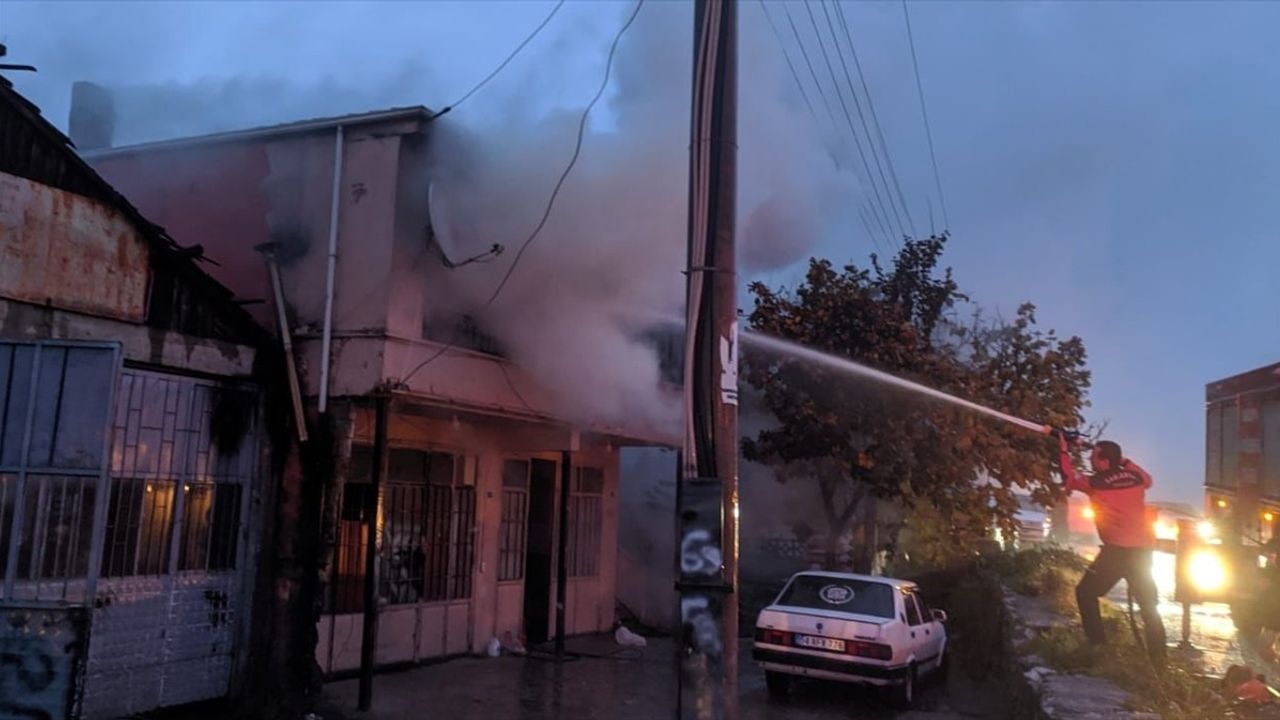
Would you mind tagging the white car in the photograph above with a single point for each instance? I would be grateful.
(860, 629)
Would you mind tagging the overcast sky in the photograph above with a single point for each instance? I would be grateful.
(1115, 163)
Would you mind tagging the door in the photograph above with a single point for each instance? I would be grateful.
(541, 551)
(925, 633)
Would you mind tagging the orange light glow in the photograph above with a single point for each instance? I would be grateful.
(1222, 503)
(1088, 513)
(1268, 516)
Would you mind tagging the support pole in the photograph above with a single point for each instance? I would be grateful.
(708, 501)
(372, 523)
(562, 561)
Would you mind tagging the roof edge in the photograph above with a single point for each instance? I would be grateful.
(414, 112)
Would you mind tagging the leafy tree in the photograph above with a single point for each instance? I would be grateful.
(854, 439)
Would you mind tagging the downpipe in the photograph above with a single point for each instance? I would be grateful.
(326, 341)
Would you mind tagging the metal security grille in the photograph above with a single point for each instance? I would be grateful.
(54, 402)
(586, 504)
(514, 529)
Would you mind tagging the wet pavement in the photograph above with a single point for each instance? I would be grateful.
(627, 685)
(1213, 637)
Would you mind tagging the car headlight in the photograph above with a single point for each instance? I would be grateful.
(1206, 530)
(1207, 571)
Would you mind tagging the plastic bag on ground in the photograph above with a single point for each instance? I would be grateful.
(626, 638)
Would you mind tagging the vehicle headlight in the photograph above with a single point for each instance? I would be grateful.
(1206, 530)
(1207, 571)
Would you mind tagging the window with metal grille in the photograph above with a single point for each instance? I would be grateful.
(427, 551)
(139, 520)
(514, 530)
(586, 515)
(54, 404)
(210, 527)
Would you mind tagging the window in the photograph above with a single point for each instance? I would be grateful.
(821, 592)
(139, 519)
(210, 527)
(357, 502)
(514, 531)
(586, 503)
(913, 611)
(53, 417)
(926, 613)
(182, 453)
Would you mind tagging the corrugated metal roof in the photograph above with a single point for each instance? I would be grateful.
(414, 112)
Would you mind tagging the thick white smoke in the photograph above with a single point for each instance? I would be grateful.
(615, 244)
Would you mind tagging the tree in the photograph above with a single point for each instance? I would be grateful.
(856, 440)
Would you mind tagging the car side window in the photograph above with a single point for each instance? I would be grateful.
(926, 613)
(913, 611)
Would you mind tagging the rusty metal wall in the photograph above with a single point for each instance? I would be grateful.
(69, 251)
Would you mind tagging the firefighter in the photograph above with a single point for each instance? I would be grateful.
(1117, 491)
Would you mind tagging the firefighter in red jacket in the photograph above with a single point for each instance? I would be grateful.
(1117, 490)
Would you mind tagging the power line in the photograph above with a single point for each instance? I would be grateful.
(804, 52)
(510, 57)
(787, 56)
(924, 111)
(551, 201)
(866, 91)
(849, 120)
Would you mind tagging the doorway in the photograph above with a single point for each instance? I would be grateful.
(541, 551)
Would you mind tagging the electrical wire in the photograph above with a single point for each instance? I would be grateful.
(787, 56)
(551, 201)
(510, 57)
(924, 112)
(813, 74)
(871, 108)
(822, 45)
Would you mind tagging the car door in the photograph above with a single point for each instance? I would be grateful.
(920, 630)
(935, 632)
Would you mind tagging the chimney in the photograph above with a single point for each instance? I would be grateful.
(93, 116)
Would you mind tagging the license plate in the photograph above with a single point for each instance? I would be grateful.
(819, 643)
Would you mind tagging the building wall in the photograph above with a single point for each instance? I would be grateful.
(424, 630)
(70, 252)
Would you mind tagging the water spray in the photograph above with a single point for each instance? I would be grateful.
(835, 362)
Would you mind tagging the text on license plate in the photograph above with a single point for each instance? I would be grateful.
(819, 643)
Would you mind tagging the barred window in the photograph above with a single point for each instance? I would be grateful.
(514, 530)
(586, 510)
(139, 520)
(210, 526)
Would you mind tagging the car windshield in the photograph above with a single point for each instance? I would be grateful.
(844, 594)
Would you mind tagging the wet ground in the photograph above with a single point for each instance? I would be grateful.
(629, 685)
(1213, 635)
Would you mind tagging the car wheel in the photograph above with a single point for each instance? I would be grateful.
(904, 695)
(779, 684)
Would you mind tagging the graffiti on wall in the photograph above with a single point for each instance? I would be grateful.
(42, 652)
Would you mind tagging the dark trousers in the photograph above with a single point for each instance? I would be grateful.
(1133, 565)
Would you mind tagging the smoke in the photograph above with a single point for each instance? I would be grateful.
(615, 244)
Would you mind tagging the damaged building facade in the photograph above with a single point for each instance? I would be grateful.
(131, 484)
(479, 473)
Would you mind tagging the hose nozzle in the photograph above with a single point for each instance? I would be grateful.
(1073, 437)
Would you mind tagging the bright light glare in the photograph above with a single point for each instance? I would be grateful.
(1088, 513)
(1222, 503)
(1165, 531)
(1207, 571)
(1206, 530)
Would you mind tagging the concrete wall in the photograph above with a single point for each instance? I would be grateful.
(431, 629)
(68, 251)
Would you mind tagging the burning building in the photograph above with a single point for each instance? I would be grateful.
(477, 469)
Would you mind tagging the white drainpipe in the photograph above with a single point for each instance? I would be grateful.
(327, 339)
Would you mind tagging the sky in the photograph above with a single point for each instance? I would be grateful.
(1114, 163)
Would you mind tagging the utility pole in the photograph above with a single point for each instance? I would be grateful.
(707, 503)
